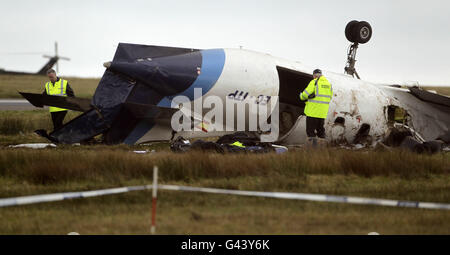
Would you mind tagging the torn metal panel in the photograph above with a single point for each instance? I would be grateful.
(71, 103)
(425, 118)
(338, 132)
(129, 52)
(82, 128)
(166, 75)
(363, 135)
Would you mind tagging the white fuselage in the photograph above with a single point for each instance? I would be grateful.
(354, 100)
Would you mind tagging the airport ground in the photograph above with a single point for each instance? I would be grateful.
(366, 173)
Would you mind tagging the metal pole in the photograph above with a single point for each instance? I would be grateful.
(154, 194)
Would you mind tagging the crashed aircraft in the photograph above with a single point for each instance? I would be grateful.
(133, 102)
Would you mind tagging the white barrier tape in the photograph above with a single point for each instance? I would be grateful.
(67, 195)
(283, 195)
(313, 197)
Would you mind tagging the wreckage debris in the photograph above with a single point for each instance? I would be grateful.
(239, 142)
(132, 103)
(143, 151)
(400, 136)
(407, 139)
(433, 146)
(363, 135)
(34, 145)
(445, 138)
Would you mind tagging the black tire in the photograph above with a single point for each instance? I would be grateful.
(362, 32)
(349, 30)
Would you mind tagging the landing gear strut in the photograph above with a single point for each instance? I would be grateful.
(356, 32)
(350, 67)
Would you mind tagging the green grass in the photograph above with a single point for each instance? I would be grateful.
(18, 126)
(83, 87)
(395, 175)
(20, 122)
(380, 174)
(119, 163)
(196, 213)
(11, 84)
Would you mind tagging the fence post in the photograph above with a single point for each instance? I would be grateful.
(154, 194)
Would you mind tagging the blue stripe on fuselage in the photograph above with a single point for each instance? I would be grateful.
(212, 66)
(213, 62)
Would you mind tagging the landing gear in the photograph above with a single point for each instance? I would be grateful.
(356, 32)
(351, 55)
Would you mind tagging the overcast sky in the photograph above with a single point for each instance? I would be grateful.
(410, 42)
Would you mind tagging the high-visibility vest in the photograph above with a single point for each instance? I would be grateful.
(317, 106)
(238, 144)
(56, 89)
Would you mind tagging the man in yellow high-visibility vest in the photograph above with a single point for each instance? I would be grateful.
(57, 87)
(318, 94)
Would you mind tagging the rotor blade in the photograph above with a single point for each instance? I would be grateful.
(22, 53)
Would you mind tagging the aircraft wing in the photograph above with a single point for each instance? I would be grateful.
(71, 103)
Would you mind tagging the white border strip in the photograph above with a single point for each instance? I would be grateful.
(283, 195)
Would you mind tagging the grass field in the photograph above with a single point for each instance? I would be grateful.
(83, 87)
(380, 174)
(397, 175)
(18, 126)
(440, 90)
(10, 84)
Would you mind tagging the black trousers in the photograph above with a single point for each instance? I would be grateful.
(57, 118)
(314, 127)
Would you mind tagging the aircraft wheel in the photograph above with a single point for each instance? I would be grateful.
(349, 30)
(362, 32)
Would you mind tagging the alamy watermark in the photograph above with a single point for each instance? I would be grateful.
(236, 112)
